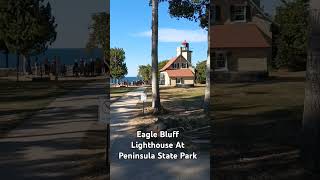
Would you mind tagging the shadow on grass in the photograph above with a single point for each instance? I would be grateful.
(270, 80)
(257, 146)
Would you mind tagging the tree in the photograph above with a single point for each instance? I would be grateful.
(144, 73)
(118, 67)
(291, 36)
(198, 11)
(154, 55)
(100, 35)
(3, 47)
(311, 116)
(28, 27)
(201, 72)
(161, 64)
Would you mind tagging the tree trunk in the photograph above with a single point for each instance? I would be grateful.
(206, 103)
(24, 62)
(155, 82)
(29, 68)
(7, 59)
(18, 64)
(311, 117)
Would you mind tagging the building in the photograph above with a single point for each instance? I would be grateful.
(179, 71)
(240, 40)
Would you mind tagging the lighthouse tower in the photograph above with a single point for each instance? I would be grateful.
(185, 51)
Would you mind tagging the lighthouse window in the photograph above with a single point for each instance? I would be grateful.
(183, 65)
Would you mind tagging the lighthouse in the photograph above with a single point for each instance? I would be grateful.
(184, 50)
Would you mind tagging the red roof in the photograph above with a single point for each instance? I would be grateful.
(169, 63)
(237, 36)
(184, 42)
(180, 73)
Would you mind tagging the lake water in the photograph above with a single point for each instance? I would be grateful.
(127, 79)
(67, 56)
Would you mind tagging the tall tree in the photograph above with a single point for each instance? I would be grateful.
(118, 67)
(100, 35)
(311, 116)
(3, 47)
(28, 27)
(154, 55)
(161, 64)
(144, 72)
(201, 72)
(290, 37)
(199, 11)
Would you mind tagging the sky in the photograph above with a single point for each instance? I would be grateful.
(73, 18)
(270, 5)
(131, 30)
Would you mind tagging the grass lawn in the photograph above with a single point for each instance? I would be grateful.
(182, 108)
(20, 100)
(117, 92)
(256, 128)
(179, 99)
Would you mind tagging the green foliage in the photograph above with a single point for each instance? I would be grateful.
(144, 72)
(118, 67)
(100, 34)
(161, 64)
(27, 26)
(194, 10)
(291, 37)
(3, 6)
(201, 72)
(3, 46)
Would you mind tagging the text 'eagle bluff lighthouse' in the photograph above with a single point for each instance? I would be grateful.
(179, 70)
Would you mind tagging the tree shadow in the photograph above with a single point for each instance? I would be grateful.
(257, 146)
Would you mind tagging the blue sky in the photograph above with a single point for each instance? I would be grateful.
(131, 30)
(270, 5)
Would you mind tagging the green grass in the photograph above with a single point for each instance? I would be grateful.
(180, 99)
(117, 92)
(256, 128)
(20, 100)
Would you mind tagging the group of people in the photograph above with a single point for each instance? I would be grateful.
(126, 83)
(87, 68)
(55, 67)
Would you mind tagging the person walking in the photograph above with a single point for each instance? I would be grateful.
(76, 69)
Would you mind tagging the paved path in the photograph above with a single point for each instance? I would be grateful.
(48, 146)
(122, 112)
